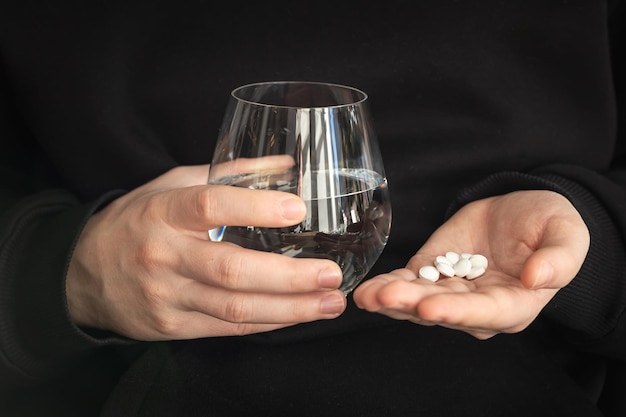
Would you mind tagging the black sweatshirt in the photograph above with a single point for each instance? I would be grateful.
(469, 100)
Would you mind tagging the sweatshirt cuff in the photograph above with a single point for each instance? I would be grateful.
(42, 340)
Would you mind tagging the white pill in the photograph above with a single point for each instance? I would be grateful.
(445, 269)
(475, 272)
(442, 260)
(462, 267)
(466, 255)
(452, 257)
(429, 272)
(478, 260)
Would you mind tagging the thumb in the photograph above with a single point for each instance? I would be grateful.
(551, 267)
(559, 254)
(202, 207)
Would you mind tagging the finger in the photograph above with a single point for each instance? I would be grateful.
(266, 164)
(262, 308)
(178, 177)
(452, 303)
(412, 303)
(466, 310)
(192, 325)
(560, 252)
(425, 303)
(387, 291)
(184, 176)
(551, 267)
(204, 207)
(496, 309)
(558, 258)
(226, 265)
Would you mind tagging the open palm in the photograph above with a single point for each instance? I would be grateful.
(536, 243)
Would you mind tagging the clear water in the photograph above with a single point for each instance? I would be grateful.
(348, 220)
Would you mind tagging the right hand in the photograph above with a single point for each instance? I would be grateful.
(144, 268)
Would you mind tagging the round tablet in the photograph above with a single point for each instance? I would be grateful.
(462, 267)
(475, 273)
(429, 272)
(453, 257)
(478, 260)
(445, 269)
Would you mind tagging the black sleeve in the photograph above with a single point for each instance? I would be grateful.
(39, 224)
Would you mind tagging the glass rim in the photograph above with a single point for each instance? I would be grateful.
(362, 95)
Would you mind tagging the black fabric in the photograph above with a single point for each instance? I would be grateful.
(392, 369)
(469, 99)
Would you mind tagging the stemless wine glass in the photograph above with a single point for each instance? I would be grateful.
(315, 140)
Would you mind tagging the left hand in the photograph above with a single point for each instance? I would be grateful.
(535, 241)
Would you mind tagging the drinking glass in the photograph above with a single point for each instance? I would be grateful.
(314, 140)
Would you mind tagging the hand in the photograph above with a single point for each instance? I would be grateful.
(144, 267)
(536, 243)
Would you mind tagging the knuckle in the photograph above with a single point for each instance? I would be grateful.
(162, 320)
(230, 270)
(155, 297)
(242, 329)
(150, 206)
(300, 312)
(292, 279)
(166, 325)
(208, 203)
(150, 256)
(203, 201)
(235, 309)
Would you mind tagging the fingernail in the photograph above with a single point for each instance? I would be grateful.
(292, 209)
(329, 279)
(544, 275)
(332, 304)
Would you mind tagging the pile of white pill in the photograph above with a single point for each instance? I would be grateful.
(464, 265)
